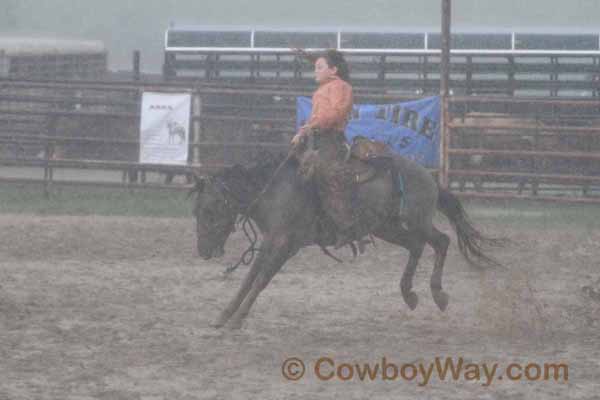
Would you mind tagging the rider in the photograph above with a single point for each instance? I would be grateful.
(331, 109)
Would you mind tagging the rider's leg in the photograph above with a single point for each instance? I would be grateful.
(338, 201)
(336, 186)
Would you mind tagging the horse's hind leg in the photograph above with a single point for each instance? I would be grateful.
(411, 242)
(440, 242)
(410, 297)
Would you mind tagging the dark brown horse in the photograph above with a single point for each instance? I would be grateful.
(287, 213)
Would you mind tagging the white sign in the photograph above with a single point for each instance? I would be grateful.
(164, 128)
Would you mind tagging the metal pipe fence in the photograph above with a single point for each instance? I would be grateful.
(499, 147)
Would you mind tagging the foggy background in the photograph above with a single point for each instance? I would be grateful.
(127, 25)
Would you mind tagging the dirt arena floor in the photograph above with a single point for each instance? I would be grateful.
(119, 308)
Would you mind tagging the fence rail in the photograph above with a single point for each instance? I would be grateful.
(497, 147)
(52, 125)
(533, 146)
(472, 72)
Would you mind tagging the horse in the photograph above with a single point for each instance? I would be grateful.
(175, 129)
(287, 211)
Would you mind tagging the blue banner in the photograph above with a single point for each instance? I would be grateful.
(411, 128)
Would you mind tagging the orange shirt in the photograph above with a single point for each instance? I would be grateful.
(331, 105)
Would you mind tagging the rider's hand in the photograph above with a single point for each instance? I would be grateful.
(302, 133)
(298, 137)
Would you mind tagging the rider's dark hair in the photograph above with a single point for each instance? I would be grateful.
(333, 58)
(336, 59)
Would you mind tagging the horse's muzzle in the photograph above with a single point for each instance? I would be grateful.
(215, 252)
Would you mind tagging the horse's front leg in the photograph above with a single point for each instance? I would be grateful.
(275, 251)
(242, 292)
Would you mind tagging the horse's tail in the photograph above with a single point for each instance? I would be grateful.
(471, 242)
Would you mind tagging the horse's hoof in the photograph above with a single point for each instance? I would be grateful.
(411, 299)
(235, 324)
(219, 322)
(441, 299)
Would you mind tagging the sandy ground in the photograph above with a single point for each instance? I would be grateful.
(119, 308)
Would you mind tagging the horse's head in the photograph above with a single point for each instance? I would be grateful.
(221, 197)
(215, 211)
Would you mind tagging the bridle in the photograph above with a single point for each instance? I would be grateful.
(234, 204)
(229, 207)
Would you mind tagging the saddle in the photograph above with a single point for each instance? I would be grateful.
(366, 156)
(367, 150)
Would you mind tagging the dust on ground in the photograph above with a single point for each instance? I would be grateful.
(119, 308)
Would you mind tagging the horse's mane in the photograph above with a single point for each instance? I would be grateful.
(264, 166)
(245, 179)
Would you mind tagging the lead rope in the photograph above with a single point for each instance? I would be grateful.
(248, 255)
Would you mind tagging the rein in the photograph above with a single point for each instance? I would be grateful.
(247, 227)
(249, 254)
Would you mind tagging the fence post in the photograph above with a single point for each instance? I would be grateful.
(469, 76)
(136, 65)
(208, 66)
(4, 64)
(196, 127)
(444, 93)
(425, 75)
(511, 76)
(382, 69)
(278, 73)
(554, 76)
(46, 172)
(169, 66)
(297, 67)
(253, 67)
(48, 156)
(444, 142)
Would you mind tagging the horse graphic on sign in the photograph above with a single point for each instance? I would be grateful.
(175, 130)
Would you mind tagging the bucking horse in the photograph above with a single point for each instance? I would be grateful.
(287, 211)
